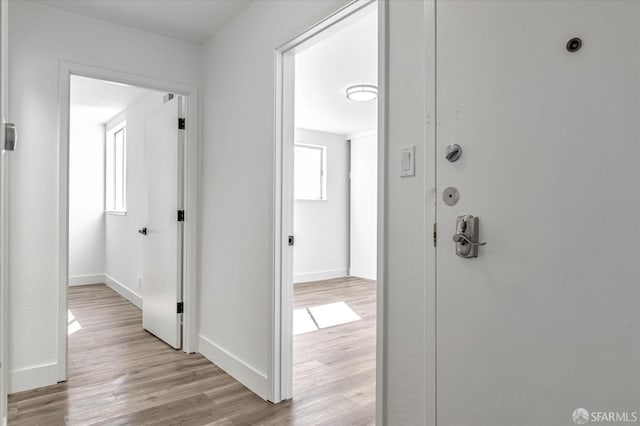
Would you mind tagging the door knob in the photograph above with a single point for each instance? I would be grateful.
(143, 231)
(466, 236)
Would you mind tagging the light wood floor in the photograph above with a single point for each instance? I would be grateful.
(121, 375)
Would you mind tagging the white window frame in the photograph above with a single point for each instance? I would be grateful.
(323, 172)
(110, 144)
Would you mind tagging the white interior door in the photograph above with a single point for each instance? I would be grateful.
(4, 104)
(162, 246)
(546, 319)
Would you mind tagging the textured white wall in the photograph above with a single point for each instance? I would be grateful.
(86, 198)
(321, 227)
(40, 38)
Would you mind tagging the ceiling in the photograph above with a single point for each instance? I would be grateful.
(98, 101)
(325, 70)
(193, 21)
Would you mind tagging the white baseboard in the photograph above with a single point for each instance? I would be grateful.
(254, 380)
(33, 377)
(320, 275)
(86, 279)
(363, 275)
(124, 291)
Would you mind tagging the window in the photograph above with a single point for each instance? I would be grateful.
(116, 169)
(310, 181)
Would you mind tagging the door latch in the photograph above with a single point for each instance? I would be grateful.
(466, 236)
(143, 231)
(10, 136)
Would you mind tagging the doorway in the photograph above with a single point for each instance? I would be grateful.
(117, 157)
(328, 225)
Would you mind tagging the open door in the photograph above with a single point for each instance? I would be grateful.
(4, 104)
(543, 326)
(162, 230)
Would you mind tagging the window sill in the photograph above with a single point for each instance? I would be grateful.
(116, 212)
(310, 199)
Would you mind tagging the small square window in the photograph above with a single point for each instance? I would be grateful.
(116, 169)
(310, 181)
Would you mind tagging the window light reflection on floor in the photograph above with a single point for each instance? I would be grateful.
(322, 316)
(72, 323)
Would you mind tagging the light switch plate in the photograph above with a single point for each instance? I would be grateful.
(407, 161)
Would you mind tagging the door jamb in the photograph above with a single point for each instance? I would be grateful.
(4, 217)
(430, 164)
(191, 183)
(281, 377)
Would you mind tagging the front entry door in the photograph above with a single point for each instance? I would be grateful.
(162, 242)
(546, 320)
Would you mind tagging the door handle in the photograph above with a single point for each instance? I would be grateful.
(10, 136)
(466, 236)
(143, 231)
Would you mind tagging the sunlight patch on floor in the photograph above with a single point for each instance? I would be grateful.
(72, 323)
(302, 322)
(322, 316)
(333, 314)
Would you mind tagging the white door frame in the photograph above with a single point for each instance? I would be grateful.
(430, 157)
(282, 339)
(4, 217)
(67, 69)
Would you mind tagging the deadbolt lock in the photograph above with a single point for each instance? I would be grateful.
(453, 152)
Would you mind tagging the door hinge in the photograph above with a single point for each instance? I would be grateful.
(181, 123)
(435, 234)
(291, 240)
(180, 307)
(180, 215)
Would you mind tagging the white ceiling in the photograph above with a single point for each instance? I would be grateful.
(194, 21)
(325, 70)
(97, 101)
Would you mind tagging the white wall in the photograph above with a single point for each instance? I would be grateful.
(363, 257)
(40, 38)
(237, 240)
(321, 228)
(123, 251)
(86, 202)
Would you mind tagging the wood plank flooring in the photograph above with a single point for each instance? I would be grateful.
(121, 375)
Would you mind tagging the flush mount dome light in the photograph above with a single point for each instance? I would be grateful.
(362, 92)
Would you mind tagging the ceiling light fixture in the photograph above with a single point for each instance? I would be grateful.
(362, 92)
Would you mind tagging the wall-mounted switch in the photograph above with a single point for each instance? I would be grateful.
(407, 162)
